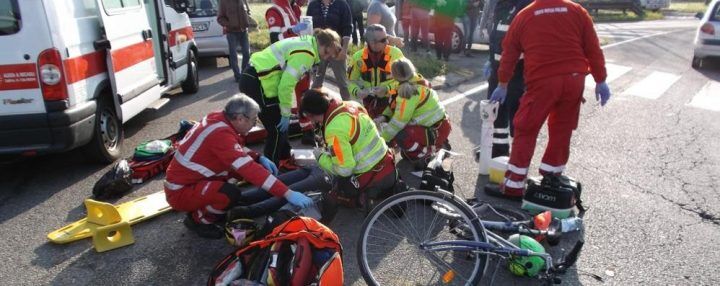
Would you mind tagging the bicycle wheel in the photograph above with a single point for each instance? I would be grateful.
(389, 249)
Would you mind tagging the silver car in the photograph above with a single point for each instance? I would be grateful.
(707, 39)
(209, 36)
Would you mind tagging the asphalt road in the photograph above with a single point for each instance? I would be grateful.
(648, 162)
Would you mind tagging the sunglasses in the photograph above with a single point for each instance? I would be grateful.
(383, 40)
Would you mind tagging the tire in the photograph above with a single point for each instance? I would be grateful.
(696, 62)
(413, 265)
(191, 84)
(457, 42)
(108, 134)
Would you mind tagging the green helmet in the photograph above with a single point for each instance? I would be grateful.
(526, 265)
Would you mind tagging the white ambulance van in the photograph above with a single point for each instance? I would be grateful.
(73, 71)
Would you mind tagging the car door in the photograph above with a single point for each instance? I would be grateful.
(128, 40)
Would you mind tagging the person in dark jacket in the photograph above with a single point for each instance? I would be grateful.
(334, 15)
(505, 11)
(234, 16)
(357, 7)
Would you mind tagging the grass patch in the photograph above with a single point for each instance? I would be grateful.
(618, 16)
(689, 7)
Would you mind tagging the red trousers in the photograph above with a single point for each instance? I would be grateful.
(558, 100)
(204, 200)
(415, 140)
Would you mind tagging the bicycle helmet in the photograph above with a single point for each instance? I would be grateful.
(529, 266)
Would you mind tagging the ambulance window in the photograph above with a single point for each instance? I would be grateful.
(120, 4)
(9, 17)
(204, 8)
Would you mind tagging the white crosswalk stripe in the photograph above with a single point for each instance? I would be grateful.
(653, 86)
(708, 97)
(613, 72)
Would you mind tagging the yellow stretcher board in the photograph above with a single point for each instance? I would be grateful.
(102, 215)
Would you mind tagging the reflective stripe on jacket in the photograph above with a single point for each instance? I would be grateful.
(354, 144)
(365, 73)
(282, 65)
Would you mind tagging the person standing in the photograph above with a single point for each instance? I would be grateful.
(444, 23)
(212, 153)
(380, 13)
(420, 24)
(370, 77)
(233, 16)
(270, 80)
(357, 7)
(334, 15)
(406, 20)
(505, 11)
(470, 21)
(560, 45)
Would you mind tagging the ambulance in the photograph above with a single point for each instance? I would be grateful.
(73, 71)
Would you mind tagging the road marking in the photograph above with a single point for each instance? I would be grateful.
(477, 89)
(613, 72)
(639, 38)
(708, 97)
(652, 86)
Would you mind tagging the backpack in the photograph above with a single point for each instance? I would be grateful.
(300, 251)
(556, 193)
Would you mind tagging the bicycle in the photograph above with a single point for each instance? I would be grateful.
(435, 238)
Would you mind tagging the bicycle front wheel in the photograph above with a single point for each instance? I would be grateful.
(390, 248)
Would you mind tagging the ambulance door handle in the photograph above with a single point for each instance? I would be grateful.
(102, 44)
(146, 34)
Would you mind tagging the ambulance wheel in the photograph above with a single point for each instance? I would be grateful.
(107, 136)
(192, 81)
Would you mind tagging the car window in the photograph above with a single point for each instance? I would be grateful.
(204, 8)
(9, 17)
(715, 16)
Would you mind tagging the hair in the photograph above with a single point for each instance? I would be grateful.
(327, 37)
(370, 32)
(315, 102)
(403, 71)
(241, 104)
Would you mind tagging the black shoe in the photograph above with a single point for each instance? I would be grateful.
(211, 231)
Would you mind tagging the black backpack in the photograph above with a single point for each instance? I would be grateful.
(556, 193)
(114, 183)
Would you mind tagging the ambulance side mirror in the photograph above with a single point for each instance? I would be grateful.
(182, 6)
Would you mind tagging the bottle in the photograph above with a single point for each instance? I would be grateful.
(571, 224)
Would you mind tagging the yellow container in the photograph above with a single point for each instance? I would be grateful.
(497, 168)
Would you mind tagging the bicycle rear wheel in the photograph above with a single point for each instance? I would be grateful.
(389, 249)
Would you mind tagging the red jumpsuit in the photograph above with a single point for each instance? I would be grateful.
(205, 159)
(281, 16)
(560, 47)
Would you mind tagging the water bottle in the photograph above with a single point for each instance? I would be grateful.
(571, 224)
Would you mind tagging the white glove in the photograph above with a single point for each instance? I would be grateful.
(363, 93)
(380, 91)
(379, 120)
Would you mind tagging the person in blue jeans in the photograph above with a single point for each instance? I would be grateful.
(234, 16)
(470, 21)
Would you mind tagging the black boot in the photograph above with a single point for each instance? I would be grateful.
(211, 231)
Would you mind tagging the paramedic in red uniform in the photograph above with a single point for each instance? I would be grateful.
(208, 156)
(561, 47)
(283, 19)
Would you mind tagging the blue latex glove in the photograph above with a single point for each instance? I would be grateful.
(487, 69)
(602, 93)
(298, 199)
(499, 94)
(284, 124)
(269, 165)
(299, 27)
